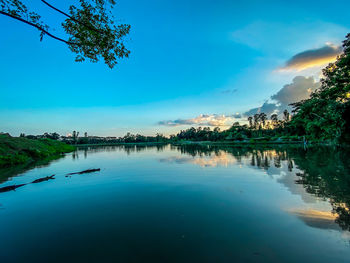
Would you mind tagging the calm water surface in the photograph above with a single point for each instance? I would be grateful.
(181, 204)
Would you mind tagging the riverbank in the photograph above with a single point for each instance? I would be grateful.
(20, 151)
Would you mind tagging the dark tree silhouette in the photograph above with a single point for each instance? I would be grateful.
(90, 25)
(263, 118)
(250, 120)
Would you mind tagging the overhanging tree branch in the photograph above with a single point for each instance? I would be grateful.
(37, 27)
(70, 17)
(90, 28)
(51, 6)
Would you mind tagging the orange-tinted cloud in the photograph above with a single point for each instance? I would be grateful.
(313, 58)
(316, 218)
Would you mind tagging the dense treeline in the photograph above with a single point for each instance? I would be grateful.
(326, 114)
(260, 128)
(85, 139)
(128, 138)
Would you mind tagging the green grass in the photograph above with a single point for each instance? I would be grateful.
(16, 151)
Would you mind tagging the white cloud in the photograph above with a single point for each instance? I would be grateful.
(204, 119)
(300, 89)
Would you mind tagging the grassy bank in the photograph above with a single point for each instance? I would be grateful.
(16, 151)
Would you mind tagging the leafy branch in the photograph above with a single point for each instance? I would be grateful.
(92, 31)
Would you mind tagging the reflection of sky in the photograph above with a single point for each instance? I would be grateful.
(287, 178)
(313, 211)
(214, 160)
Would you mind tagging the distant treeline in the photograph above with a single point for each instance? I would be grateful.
(75, 139)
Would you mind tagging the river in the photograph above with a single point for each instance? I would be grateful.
(181, 204)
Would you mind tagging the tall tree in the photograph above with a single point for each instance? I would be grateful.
(75, 136)
(263, 118)
(274, 119)
(286, 115)
(256, 120)
(90, 25)
(326, 113)
(250, 120)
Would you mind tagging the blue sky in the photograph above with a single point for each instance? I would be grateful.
(187, 58)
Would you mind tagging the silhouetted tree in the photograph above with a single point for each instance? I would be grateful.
(256, 120)
(250, 120)
(91, 28)
(286, 115)
(263, 118)
(75, 136)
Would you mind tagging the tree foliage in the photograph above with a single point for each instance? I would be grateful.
(90, 25)
(325, 114)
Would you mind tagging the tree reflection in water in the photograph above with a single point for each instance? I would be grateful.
(325, 171)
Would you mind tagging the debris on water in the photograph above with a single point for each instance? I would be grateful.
(86, 171)
(10, 188)
(43, 179)
(46, 178)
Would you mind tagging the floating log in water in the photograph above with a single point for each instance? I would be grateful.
(86, 171)
(43, 179)
(10, 188)
(46, 178)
